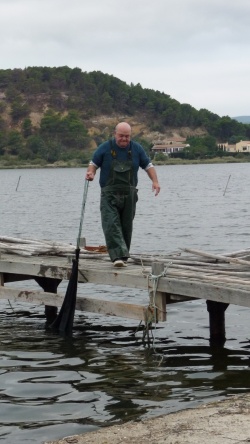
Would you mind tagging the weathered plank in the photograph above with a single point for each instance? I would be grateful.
(134, 276)
(89, 271)
(203, 290)
(85, 304)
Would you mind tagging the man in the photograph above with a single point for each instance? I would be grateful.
(119, 160)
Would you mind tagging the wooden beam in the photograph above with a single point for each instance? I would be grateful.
(129, 277)
(104, 307)
(101, 272)
(111, 308)
(37, 268)
(202, 290)
(94, 271)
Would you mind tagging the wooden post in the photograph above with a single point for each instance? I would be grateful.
(1, 279)
(160, 297)
(217, 322)
(49, 285)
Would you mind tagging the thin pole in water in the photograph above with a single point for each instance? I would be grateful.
(18, 183)
(226, 185)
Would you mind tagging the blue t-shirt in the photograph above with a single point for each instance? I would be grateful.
(103, 158)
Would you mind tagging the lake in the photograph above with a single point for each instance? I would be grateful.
(51, 387)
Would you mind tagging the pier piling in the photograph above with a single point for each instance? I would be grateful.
(49, 285)
(217, 322)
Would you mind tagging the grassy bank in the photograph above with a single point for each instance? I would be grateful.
(16, 164)
(22, 165)
(229, 159)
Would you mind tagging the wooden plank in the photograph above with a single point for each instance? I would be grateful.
(201, 290)
(104, 274)
(30, 296)
(109, 276)
(104, 307)
(89, 271)
(36, 268)
(111, 308)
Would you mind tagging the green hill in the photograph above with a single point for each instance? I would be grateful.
(61, 114)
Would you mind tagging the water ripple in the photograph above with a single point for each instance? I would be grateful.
(51, 387)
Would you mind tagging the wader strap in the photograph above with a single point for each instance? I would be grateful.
(113, 151)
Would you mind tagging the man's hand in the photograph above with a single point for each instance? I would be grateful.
(156, 188)
(90, 175)
(153, 176)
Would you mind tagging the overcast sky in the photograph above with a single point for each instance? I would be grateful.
(197, 51)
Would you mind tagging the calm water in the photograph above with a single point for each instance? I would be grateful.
(51, 387)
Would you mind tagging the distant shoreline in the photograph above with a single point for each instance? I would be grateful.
(176, 161)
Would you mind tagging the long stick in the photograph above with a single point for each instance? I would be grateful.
(86, 185)
(226, 185)
(217, 256)
(18, 183)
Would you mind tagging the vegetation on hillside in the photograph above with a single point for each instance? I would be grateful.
(68, 98)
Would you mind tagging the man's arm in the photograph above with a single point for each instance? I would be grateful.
(151, 172)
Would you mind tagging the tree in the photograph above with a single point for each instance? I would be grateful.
(64, 131)
(227, 127)
(15, 143)
(37, 145)
(26, 128)
(72, 131)
(19, 109)
(106, 103)
(49, 126)
(200, 147)
(3, 142)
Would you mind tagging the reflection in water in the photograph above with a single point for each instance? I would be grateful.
(51, 387)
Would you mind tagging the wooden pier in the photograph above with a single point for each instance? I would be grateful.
(180, 276)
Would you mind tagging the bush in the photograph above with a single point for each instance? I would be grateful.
(160, 157)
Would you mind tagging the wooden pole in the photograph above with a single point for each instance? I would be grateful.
(217, 322)
(159, 298)
(49, 285)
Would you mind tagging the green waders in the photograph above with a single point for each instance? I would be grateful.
(118, 205)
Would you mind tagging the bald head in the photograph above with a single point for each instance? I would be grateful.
(123, 126)
(122, 134)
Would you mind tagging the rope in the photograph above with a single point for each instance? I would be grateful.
(155, 281)
(151, 309)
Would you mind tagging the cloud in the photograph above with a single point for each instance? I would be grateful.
(194, 50)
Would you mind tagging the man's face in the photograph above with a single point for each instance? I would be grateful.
(122, 137)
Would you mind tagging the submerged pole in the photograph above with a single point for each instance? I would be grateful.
(217, 322)
(49, 285)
